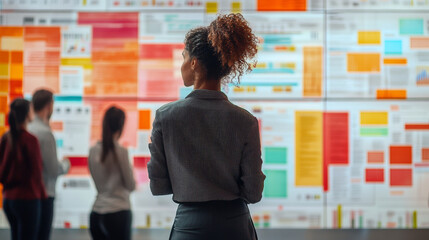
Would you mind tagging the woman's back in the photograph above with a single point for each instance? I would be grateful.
(212, 150)
(21, 168)
(205, 150)
(113, 179)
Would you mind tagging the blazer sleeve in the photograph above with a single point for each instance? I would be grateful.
(49, 155)
(252, 178)
(160, 183)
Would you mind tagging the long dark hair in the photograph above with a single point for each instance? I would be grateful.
(19, 110)
(113, 122)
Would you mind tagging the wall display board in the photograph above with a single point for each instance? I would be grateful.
(376, 167)
(340, 90)
(378, 56)
(55, 5)
(290, 58)
(377, 4)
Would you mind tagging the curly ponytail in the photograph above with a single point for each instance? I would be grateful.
(224, 48)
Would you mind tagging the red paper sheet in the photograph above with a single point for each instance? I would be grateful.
(374, 175)
(401, 177)
(335, 142)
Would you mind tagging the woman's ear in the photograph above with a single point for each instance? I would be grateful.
(194, 63)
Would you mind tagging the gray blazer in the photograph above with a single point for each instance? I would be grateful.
(205, 148)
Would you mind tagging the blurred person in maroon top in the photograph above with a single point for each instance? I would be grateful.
(21, 174)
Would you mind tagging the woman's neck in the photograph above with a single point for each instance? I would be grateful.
(207, 84)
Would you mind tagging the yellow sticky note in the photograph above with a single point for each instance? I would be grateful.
(277, 89)
(340, 214)
(4, 70)
(211, 7)
(84, 62)
(2, 119)
(415, 219)
(12, 43)
(308, 148)
(288, 65)
(239, 89)
(369, 37)
(374, 118)
(236, 7)
(261, 65)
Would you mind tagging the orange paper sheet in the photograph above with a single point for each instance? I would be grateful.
(159, 71)
(375, 157)
(3, 104)
(114, 53)
(313, 71)
(42, 58)
(57, 126)
(401, 155)
(11, 32)
(282, 5)
(395, 61)
(419, 42)
(363, 62)
(425, 154)
(144, 119)
(4, 57)
(4, 86)
(391, 94)
(11, 64)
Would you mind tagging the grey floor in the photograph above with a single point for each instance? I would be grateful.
(265, 234)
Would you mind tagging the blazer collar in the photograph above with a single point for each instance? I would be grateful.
(207, 94)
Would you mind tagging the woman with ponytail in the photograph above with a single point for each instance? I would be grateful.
(113, 177)
(21, 174)
(205, 150)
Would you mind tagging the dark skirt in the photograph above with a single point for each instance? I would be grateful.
(220, 220)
